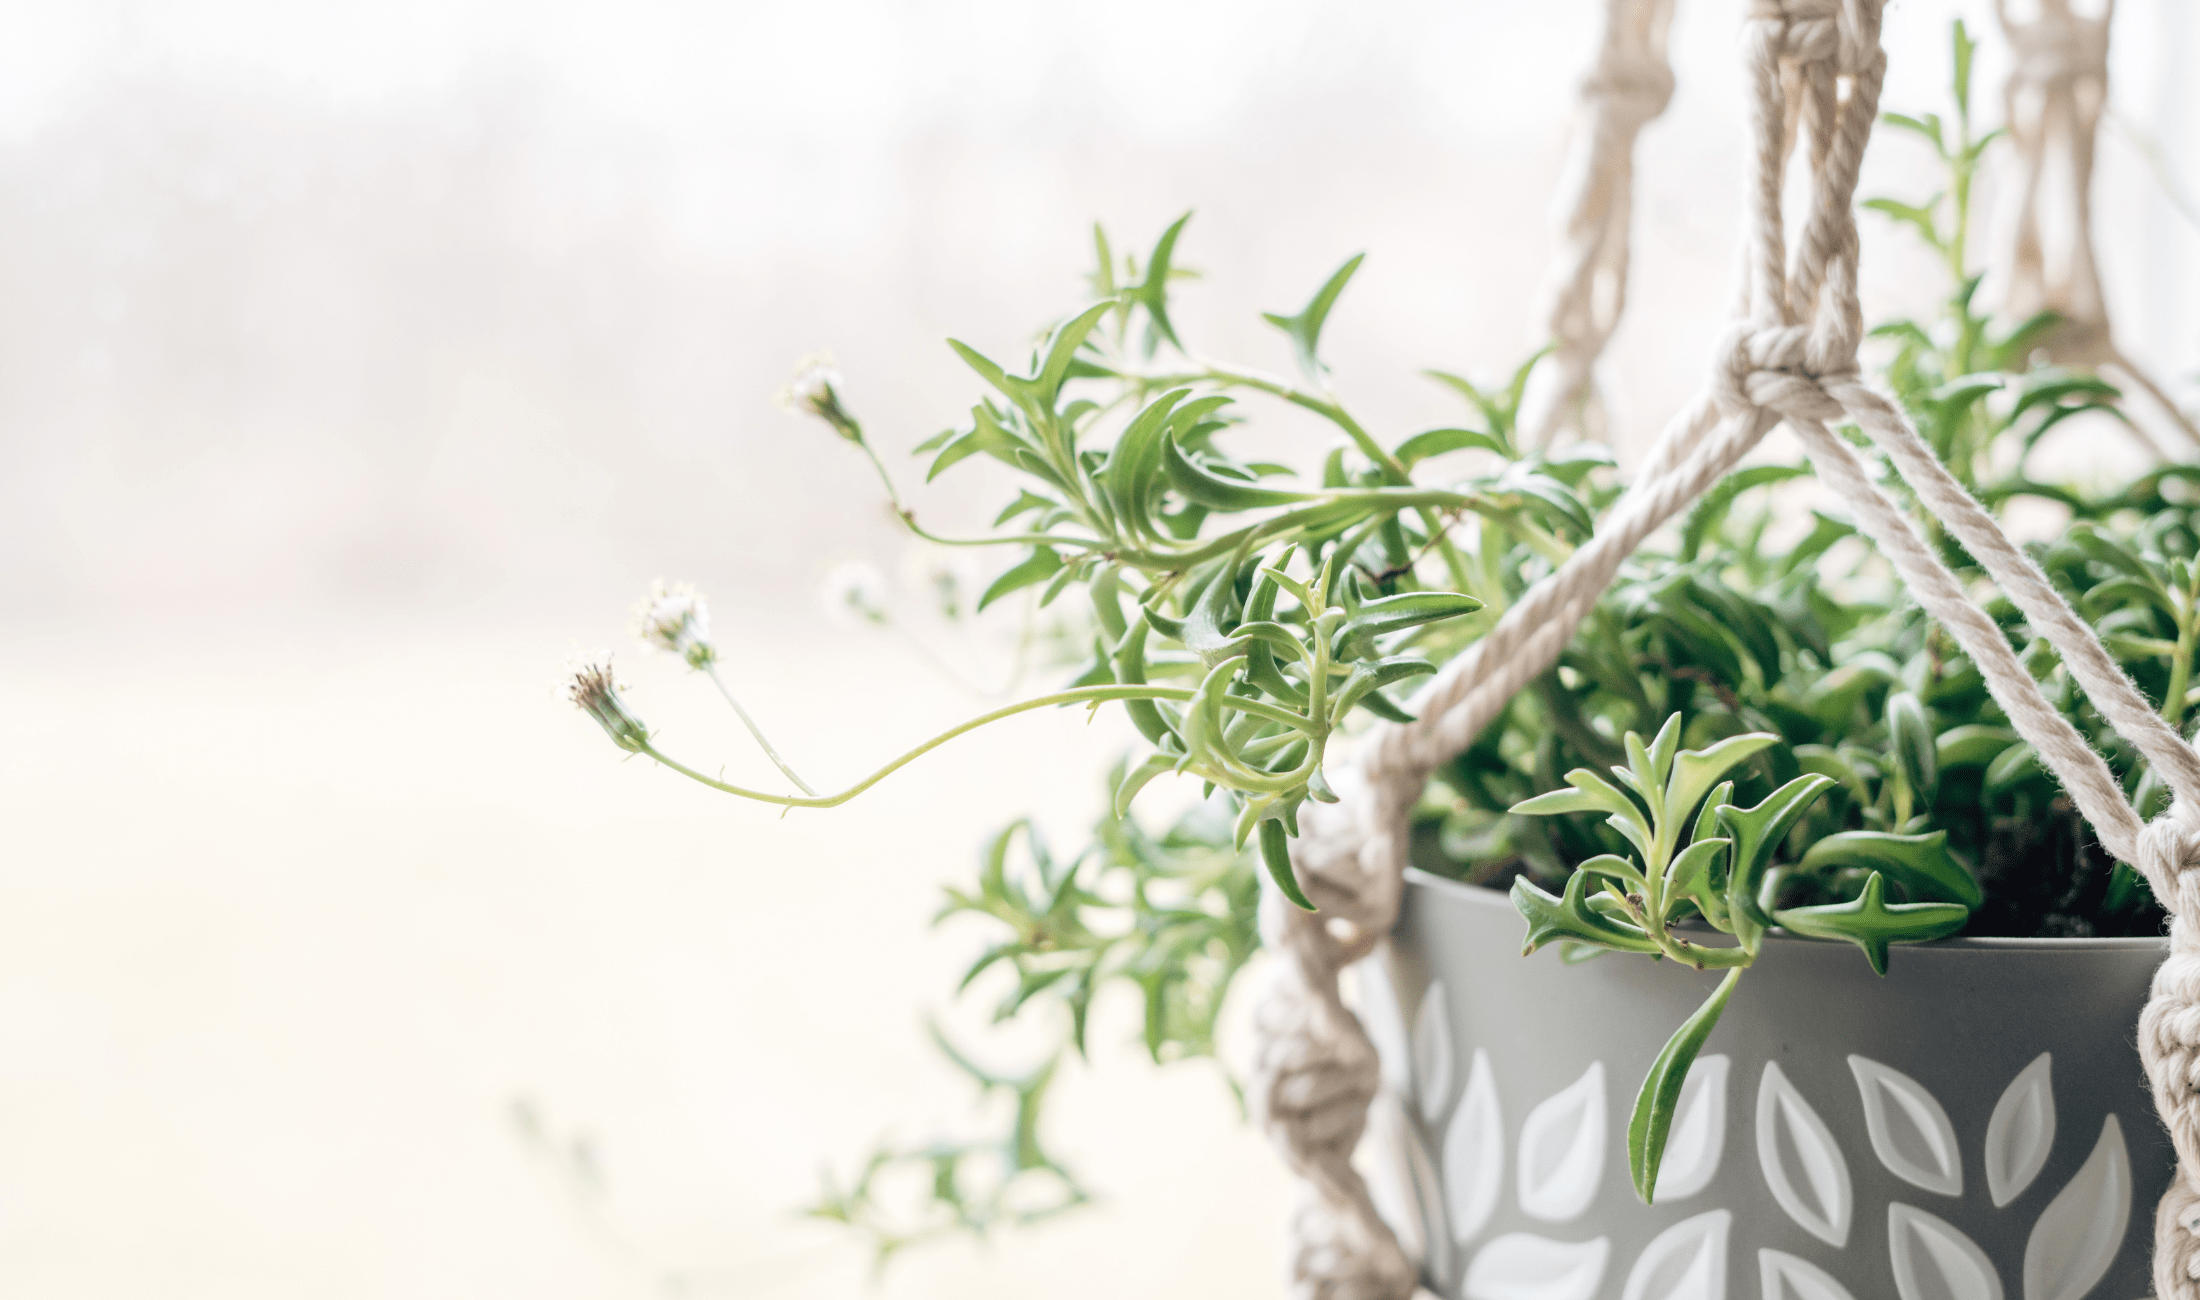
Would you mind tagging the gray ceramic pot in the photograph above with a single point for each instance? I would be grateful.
(1972, 1127)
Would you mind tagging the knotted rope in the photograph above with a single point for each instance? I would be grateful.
(1586, 289)
(1790, 358)
(2053, 99)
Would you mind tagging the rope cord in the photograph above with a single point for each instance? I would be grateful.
(1585, 293)
(2053, 99)
(1815, 68)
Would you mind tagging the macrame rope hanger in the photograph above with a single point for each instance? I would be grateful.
(2056, 92)
(1814, 70)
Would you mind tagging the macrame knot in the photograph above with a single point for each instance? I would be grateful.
(1776, 368)
(1820, 31)
(1640, 84)
(2058, 48)
(2167, 854)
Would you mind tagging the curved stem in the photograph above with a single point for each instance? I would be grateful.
(754, 730)
(1080, 695)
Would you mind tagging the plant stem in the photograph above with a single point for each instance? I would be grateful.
(1080, 695)
(2180, 667)
(754, 730)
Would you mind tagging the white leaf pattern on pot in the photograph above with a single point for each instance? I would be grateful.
(1698, 1136)
(1685, 1262)
(2079, 1232)
(1382, 1014)
(2022, 1132)
(1786, 1277)
(1910, 1132)
(1432, 1052)
(1428, 1189)
(1562, 1150)
(1793, 1142)
(1519, 1266)
(1934, 1261)
(1474, 1152)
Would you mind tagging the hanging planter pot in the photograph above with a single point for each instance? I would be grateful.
(1975, 1125)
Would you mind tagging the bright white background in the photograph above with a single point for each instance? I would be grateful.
(355, 360)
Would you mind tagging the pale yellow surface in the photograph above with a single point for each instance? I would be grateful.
(354, 361)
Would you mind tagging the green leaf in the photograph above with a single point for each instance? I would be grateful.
(1691, 874)
(1067, 339)
(1435, 442)
(1696, 771)
(2103, 549)
(1615, 867)
(1910, 737)
(1920, 218)
(1374, 674)
(1921, 864)
(1572, 463)
(1493, 409)
(1757, 833)
(2052, 385)
(1707, 821)
(1039, 566)
(1135, 780)
(1542, 495)
(1134, 466)
(1025, 500)
(1952, 399)
(1153, 292)
(1662, 748)
(1570, 917)
(1971, 745)
(1202, 486)
(1355, 637)
(1652, 1120)
(1927, 126)
(1305, 329)
(2010, 353)
(1871, 924)
(984, 365)
(2017, 763)
(1275, 854)
(1591, 793)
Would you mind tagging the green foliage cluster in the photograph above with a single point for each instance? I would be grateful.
(1168, 915)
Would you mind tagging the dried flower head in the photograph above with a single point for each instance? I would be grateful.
(815, 390)
(673, 618)
(854, 591)
(590, 685)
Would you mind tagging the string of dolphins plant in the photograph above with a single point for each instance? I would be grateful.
(1846, 775)
(1240, 622)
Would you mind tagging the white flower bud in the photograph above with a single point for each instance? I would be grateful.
(815, 390)
(673, 618)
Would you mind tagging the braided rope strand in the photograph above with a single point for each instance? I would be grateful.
(1585, 293)
(2052, 102)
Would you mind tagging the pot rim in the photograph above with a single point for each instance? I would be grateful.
(1483, 897)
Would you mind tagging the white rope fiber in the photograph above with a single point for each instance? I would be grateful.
(1586, 290)
(1815, 69)
(2053, 100)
